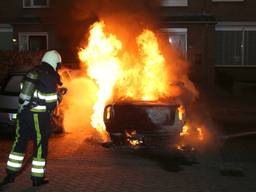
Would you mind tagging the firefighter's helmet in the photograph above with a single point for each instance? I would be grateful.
(52, 58)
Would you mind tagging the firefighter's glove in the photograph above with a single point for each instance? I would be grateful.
(60, 97)
(22, 105)
(61, 92)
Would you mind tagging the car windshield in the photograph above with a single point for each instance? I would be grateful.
(13, 84)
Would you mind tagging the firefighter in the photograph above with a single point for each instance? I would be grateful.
(37, 100)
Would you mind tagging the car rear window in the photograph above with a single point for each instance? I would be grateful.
(159, 115)
(13, 84)
(138, 115)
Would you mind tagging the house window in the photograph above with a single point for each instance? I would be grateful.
(174, 3)
(227, 0)
(35, 3)
(6, 36)
(235, 46)
(33, 41)
(177, 37)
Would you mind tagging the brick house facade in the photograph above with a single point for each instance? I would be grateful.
(217, 36)
(221, 39)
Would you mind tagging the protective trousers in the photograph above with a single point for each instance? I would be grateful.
(37, 126)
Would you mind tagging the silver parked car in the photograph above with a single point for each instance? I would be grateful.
(9, 96)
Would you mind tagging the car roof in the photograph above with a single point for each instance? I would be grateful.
(16, 73)
(146, 103)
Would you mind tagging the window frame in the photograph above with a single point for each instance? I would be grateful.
(6, 28)
(228, 1)
(27, 34)
(174, 3)
(237, 26)
(35, 6)
(179, 30)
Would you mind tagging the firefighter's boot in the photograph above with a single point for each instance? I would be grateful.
(9, 178)
(38, 181)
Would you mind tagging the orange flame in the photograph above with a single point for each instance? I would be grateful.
(181, 111)
(200, 134)
(103, 66)
(118, 75)
(195, 133)
(185, 131)
(146, 77)
(155, 81)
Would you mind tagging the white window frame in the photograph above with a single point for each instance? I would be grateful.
(6, 28)
(35, 6)
(174, 3)
(27, 34)
(227, 0)
(236, 26)
(183, 31)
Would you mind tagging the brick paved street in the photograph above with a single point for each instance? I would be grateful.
(79, 164)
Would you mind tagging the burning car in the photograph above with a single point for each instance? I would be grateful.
(138, 70)
(141, 122)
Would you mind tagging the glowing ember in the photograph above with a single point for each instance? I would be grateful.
(134, 142)
(133, 139)
(196, 133)
(185, 131)
(182, 111)
(179, 147)
(183, 147)
(200, 133)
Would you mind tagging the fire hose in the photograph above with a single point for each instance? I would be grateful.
(239, 135)
(62, 91)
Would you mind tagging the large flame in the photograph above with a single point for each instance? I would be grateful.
(111, 68)
(154, 77)
(122, 74)
(100, 56)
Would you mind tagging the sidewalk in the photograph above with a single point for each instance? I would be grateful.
(231, 115)
(79, 164)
